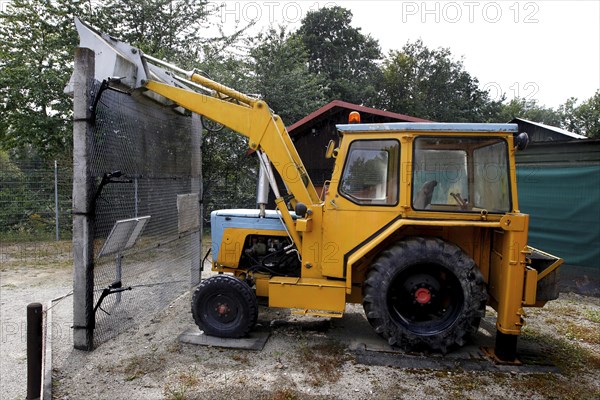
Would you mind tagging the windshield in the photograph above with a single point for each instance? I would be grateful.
(461, 174)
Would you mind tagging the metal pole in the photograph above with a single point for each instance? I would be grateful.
(34, 350)
(56, 200)
(135, 188)
(118, 274)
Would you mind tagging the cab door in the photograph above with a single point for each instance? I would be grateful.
(362, 199)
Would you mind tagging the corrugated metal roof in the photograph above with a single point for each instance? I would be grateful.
(429, 127)
(552, 128)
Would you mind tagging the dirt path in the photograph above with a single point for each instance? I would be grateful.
(304, 357)
(20, 286)
(308, 357)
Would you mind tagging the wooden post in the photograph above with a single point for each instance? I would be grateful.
(34, 350)
(83, 186)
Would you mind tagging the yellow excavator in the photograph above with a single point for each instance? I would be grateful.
(419, 222)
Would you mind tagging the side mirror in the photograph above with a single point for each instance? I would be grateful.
(331, 151)
(521, 141)
(301, 210)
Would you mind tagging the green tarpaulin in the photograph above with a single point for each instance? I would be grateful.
(564, 207)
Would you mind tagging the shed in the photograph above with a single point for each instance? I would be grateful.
(539, 132)
(312, 134)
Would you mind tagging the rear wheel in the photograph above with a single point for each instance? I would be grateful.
(224, 306)
(425, 292)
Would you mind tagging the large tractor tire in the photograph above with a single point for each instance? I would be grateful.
(425, 292)
(224, 306)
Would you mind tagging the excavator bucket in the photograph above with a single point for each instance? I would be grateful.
(124, 66)
(547, 267)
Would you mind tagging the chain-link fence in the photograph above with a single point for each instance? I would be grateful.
(35, 212)
(143, 156)
(35, 200)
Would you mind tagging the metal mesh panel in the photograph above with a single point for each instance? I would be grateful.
(151, 146)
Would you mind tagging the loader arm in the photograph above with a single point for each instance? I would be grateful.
(264, 131)
(251, 118)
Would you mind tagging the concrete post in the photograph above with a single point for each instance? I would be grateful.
(83, 186)
(196, 172)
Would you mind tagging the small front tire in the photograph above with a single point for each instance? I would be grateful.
(224, 306)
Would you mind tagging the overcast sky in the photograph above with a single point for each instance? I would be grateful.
(545, 50)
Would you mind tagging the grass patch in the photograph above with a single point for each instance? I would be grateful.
(324, 361)
(283, 394)
(180, 388)
(36, 254)
(582, 333)
(242, 358)
(592, 315)
(552, 386)
(568, 356)
(138, 366)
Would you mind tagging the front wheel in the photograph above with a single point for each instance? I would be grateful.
(425, 292)
(224, 306)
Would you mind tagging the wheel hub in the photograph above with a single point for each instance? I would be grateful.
(423, 295)
(222, 310)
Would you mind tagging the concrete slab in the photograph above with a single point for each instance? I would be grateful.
(254, 341)
(370, 349)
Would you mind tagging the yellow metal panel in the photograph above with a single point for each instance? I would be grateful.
(304, 225)
(307, 294)
(530, 287)
(507, 280)
(262, 287)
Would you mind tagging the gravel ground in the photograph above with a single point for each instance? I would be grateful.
(22, 283)
(304, 357)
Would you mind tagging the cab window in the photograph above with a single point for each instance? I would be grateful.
(371, 172)
(461, 174)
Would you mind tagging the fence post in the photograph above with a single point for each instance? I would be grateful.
(34, 350)
(83, 218)
(196, 186)
(56, 200)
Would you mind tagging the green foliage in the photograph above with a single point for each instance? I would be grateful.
(280, 68)
(229, 172)
(528, 109)
(35, 58)
(431, 84)
(168, 29)
(583, 119)
(341, 54)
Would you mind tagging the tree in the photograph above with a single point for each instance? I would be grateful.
(35, 114)
(35, 66)
(431, 84)
(174, 30)
(280, 69)
(583, 119)
(528, 109)
(341, 54)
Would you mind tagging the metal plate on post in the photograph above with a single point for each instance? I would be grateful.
(123, 235)
(188, 209)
